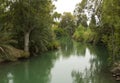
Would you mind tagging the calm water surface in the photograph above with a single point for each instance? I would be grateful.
(72, 63)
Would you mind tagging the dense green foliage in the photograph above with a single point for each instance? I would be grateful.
(108, 28)
(67, 23)
(111, 23)
(83, 34)
(30, 26)
(25, 25)
(104, 24)
(58, 31)
(64, 25)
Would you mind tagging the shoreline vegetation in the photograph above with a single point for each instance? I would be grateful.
(15, 54)
(31, 27)
(25, 28)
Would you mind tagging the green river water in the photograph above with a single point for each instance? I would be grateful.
(73, 62)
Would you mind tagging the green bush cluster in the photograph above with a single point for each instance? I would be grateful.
(58, 32)
(83, 34)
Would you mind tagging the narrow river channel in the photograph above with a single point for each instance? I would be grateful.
(73, 62)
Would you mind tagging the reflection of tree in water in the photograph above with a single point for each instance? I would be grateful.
(79, 48)
(100, 56)
(38, 70)
(70, 47)
(66, 47)
(97, 71)
(32, 71)
(77, 77)
(91, 77)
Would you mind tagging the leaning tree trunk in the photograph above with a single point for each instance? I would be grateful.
(26, 41)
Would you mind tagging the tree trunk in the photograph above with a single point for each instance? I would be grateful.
(26, 41)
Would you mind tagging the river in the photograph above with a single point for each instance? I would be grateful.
(73, 62)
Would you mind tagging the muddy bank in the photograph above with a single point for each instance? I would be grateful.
(116, 71)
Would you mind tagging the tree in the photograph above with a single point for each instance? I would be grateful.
(31, 17)
(68, 23)
(79, 13)
(29, 22)
(85, 10)
(56, 16)
(110, 16)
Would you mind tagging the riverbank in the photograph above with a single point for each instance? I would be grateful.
(73, 62)
(116, 71)
(10, 53)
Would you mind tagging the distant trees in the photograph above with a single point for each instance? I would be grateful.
(79, 13)
(68, 23)
(56, 16)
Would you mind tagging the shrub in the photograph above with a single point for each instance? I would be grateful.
(84, 34)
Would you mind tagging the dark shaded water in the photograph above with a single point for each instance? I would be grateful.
(72, 63)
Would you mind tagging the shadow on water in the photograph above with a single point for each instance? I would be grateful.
(73, 62)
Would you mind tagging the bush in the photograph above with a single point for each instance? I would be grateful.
(53, 45)
(58, 31)
(83, 34)
(78, 34)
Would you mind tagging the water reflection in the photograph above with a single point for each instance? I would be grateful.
(96, 70)
(81, 63)
(73, 63)
(10, 78)
(35, 70)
